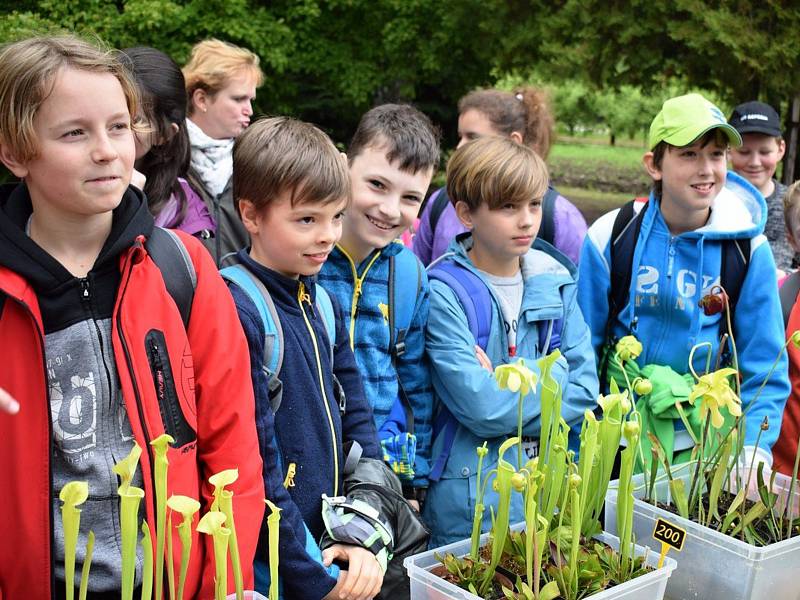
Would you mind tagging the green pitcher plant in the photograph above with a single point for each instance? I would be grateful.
(73, 494)
(212, 523)
(187, 508)
(223, 501)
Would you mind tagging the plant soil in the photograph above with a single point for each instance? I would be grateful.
(725, 500)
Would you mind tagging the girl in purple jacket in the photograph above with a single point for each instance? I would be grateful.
(525, 117)
(162, 143)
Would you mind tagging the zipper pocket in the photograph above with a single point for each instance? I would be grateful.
(175, 423)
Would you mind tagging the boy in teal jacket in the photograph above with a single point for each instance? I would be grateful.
(497, 187)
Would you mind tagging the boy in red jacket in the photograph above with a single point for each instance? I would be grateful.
(95, 349)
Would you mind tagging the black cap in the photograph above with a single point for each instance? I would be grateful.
(756, 117)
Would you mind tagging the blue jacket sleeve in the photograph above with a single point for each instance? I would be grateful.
(468, 390)
(357, 422)
(302, 575)
(576, 346)
(594, 284)
(758, 328)
(413, 371)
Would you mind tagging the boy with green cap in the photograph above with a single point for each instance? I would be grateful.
(653, 268)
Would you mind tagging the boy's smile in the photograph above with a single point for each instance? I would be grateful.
(85, 147)
(757, 158)
(293, 240)
(386, 200)
(691, 177)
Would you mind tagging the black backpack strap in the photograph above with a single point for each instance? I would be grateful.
(439, 205)
(735, 260)
(2, 302)
(788, 295)
(624, 236)
(171, 257)
(547, 229)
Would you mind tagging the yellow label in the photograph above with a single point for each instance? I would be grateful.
(669, 534)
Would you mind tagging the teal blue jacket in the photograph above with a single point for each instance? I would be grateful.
(484, 411)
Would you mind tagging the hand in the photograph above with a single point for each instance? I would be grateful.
(483, 359)
(363, 578)
(7, 403)
(138, 179)
(414, 504)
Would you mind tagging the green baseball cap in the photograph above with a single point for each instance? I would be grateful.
(683, 119)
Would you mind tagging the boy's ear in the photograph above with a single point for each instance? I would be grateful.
(781, 149)
(464, 215)
(650, 166)
(517, 137)
(250, 216)
(17, 167)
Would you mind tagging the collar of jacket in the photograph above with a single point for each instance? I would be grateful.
(283, 289)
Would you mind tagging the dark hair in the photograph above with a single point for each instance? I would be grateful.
(163, 92)
(280, 154)
(525, 110)
(715, 135)
(408, 136)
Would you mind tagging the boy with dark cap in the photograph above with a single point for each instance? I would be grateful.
(756, 160)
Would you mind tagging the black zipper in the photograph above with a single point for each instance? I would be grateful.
(175, 423)
(86, 296)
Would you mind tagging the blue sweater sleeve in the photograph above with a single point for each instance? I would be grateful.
(413, 370)
(302, 575)
(758, 328)
(423, 240)
(468, 390)
(357, 421)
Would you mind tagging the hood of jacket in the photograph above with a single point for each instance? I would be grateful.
(22, 255)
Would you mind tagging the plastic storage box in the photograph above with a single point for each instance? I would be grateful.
(713, 566)
(427, 586)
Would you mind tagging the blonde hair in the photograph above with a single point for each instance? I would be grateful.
(280, 154)
(526, 110)
(28, 69)
(495, 171)
(791, 209)
(212, 65)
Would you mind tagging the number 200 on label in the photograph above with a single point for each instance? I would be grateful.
(669, 534)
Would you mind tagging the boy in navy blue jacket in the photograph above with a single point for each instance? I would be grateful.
(292, 187)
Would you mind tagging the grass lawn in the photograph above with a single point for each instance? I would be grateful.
(591, 154)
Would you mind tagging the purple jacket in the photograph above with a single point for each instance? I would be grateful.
(570, 229)
(195, 220)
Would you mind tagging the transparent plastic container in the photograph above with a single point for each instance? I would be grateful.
(248, 595)
(427, 586)
(714, 566)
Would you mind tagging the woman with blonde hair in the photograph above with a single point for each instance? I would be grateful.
(221, 82)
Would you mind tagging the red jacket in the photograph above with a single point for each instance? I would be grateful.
(215, 395)
(785, 449)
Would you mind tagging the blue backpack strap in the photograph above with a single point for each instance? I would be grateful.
(472, 294)
(325, 309)
(258, 293)
(550, 335)
(476, 300)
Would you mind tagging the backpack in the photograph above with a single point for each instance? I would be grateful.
(734, 261)
(177, 268)
(547, 228)
(273, 338)
(788, 295)
(475, 299)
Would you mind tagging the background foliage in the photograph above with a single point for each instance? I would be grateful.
(608, 64)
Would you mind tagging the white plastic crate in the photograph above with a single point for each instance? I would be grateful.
(427, 586)
(714, 566)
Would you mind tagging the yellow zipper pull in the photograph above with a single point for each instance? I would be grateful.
(290, 472)
(302, 295)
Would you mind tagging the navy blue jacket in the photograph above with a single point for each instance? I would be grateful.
(302, 425)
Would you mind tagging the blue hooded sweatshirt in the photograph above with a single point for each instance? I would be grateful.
(364, 290)
(663, 312)
(309, 434)
(484, 411)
